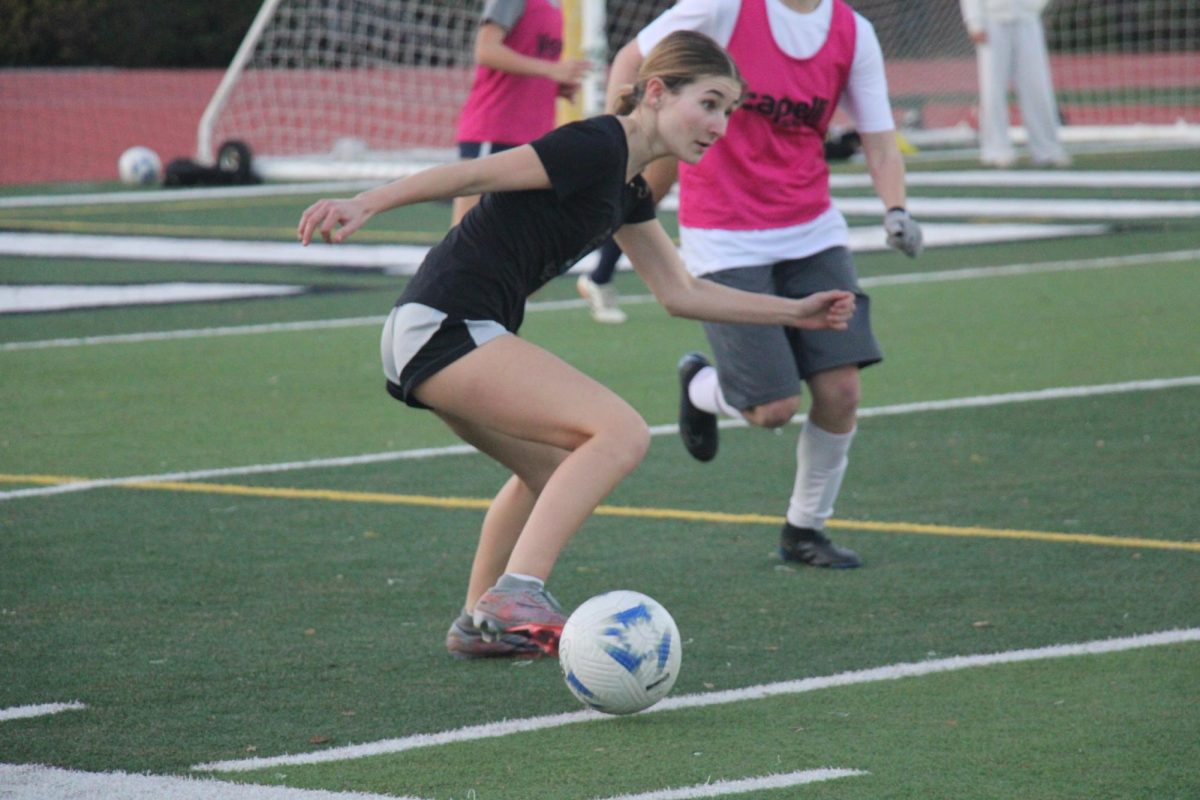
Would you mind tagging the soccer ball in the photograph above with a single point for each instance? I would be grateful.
(620, 652)
(139, 166)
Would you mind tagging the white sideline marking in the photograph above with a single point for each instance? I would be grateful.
(197, 333)
(875, 675)
(1025, 208)
(36, 782)
(216, 251)
(722, 788)
(669, 429)
(1007, 270)
(1095, 179)
(40, 710)
(402, 259)
(1088, 179)
(168, 195)
(58, 297)
(1032, 268)
(980, 401)
(924, 208)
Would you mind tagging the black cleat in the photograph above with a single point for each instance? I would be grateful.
(697, 428)
(808, 546)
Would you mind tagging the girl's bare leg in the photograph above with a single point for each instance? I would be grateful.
(510, 510)
(508, 390)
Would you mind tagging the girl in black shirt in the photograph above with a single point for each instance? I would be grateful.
(449, 345)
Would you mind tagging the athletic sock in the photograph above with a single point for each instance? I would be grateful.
(821, 460)
(516, 580)
(705, 393)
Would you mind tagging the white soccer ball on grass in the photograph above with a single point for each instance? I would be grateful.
(139, 166)
(620, 652)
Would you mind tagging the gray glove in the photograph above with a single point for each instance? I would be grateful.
(903, 232)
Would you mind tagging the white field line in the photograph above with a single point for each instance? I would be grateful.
(1026, 208)
(37, 782)
(1004, 179)
(1079, 179)
(980, 401)
(725, 788)
(1033, 268)
(40, 710)
(196, 333)
(856, 677)
(1008, 270)
(670, 429)
(925, 208)
(401, 259)
(169, 195)
(58, 297)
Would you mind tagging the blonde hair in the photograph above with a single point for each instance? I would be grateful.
(682, 57)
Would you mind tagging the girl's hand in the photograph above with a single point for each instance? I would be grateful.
(333, 219)
(826, 310)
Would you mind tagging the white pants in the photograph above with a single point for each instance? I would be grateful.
(1016, 51)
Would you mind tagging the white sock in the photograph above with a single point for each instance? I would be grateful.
(537, 583)
(821, 459)
(705, 393)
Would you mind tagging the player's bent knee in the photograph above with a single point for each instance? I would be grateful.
(638, 443)
(840, 400)
(772, 415)
(627, 444)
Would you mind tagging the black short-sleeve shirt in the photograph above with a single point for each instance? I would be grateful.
(512, 243)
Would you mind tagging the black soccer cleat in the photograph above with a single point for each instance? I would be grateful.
(697, 428)
(811, 547)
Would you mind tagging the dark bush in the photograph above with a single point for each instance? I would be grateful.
(122, 33)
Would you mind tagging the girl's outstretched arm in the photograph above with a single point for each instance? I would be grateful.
(513, 170)
(658, 263)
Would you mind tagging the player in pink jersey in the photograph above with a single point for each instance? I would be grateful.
(756, 214)
(519, 74)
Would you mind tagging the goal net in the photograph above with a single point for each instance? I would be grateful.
(373, 88)
(1122, 69)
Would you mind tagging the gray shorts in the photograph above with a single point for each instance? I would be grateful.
(761, 363)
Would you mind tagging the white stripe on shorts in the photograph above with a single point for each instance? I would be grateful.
(410, 327)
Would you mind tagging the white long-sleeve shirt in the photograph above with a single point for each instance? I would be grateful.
(976, 13)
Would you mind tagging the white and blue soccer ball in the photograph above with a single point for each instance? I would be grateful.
(620, 652)
(139, 166)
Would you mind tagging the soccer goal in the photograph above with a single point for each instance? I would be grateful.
(361, 88)
(372, 88)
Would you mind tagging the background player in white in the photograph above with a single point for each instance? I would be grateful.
(756, 214)
(1010, 46)
(449, 343)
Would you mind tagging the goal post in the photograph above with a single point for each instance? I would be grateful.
(583, 29)
(323, 89)
(345, 88)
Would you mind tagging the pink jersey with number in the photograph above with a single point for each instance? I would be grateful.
(516, 109)
(769, 170)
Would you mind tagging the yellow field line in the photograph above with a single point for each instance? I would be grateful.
(43, 480)
(481, 504)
